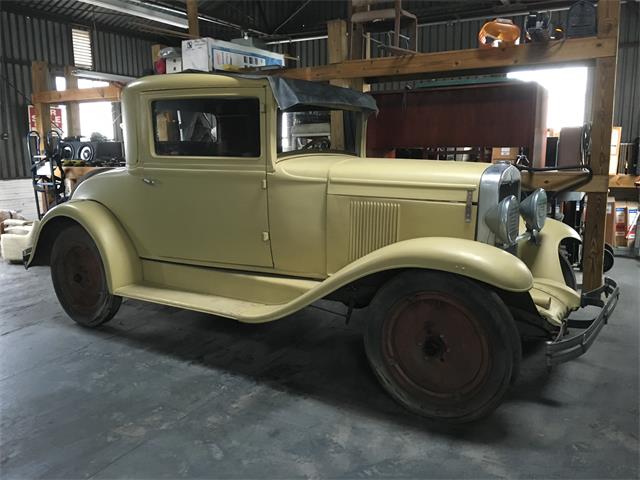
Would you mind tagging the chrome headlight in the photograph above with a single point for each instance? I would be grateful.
(498, 182)
(534, 209)
(503, 220)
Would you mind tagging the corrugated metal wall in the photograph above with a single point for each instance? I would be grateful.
(115, 53)
(310, 53)
(627, 105)
(23, 39)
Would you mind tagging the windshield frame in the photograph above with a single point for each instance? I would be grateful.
(359, 135)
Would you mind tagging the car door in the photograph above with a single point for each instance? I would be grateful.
(201, 177)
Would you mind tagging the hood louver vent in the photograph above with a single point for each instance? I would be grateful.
(374, 224)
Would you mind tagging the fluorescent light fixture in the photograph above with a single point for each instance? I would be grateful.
(294, 40)
(105, 77)
(140, 10)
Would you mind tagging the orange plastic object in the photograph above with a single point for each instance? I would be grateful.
(499, 32)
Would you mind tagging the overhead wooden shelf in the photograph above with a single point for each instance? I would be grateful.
(110, 93)
(624, 181)
(558, 180)
(573, 50)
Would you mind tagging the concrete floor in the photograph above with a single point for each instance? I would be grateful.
(161, 392)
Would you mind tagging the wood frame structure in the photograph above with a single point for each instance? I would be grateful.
(469, 61)
(600, 51)
(42, 96)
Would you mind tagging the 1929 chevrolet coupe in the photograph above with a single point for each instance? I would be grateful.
(234, 202)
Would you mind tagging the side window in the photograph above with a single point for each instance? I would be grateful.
(207, 127)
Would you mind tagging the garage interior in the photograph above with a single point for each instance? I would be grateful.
(163, 392)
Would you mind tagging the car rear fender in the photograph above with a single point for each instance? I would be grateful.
(119, 257)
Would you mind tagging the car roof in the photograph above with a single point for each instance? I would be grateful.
(192, 80)
(291, 95)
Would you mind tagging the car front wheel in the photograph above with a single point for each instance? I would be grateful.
(442, 345)
(79, 278)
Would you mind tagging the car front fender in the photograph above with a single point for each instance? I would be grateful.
(119, 257)
(468, 258)
(542, 257)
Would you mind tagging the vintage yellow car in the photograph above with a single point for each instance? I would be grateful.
(237, 200)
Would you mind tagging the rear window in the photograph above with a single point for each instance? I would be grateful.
(207, 127)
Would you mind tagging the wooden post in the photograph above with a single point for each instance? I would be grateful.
(40, 83)
(396, 24)
(337, 51)
(602, 120)
(192, 15)
(358, 41)
(73, 108)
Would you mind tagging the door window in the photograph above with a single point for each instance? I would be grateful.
(207, 127)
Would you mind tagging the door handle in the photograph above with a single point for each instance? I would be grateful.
(149, 181)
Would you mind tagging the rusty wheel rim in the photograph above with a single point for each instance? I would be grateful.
(82, 278)
(435, 347)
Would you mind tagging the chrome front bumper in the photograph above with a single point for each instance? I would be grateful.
(562, 350)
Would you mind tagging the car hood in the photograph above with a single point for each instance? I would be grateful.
(391, 177)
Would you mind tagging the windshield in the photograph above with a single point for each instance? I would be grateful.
(310, 131)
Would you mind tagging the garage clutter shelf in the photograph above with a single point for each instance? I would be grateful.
(598, 51)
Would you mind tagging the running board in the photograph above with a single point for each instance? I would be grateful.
(223, 306)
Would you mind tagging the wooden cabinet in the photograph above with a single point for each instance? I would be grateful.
(506, 114)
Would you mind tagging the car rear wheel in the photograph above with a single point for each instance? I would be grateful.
(443, 346)
(79, 279)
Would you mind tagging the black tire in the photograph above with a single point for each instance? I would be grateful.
(454, 366)
(79, 279)
(567, 271)
(609, 258)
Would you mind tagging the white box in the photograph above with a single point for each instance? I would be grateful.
(174, 64)
(208, 54)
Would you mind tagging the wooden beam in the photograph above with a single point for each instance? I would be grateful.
(554, 181)
(573, 50)
(558, 180)
(601, 118)
(337, 51)
(40, 82)
(624, 181)
(110, 93)
(192, 16)
(73, 109)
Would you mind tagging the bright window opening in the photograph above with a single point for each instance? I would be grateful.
(566, 87)
(82, 54)
(95, 117)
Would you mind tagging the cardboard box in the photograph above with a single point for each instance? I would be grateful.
(621, 224)
(632, 223)
(208, 54)
(610, 225)
(616, 135)
(174, 65)
(504, 153)
(569, 146)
